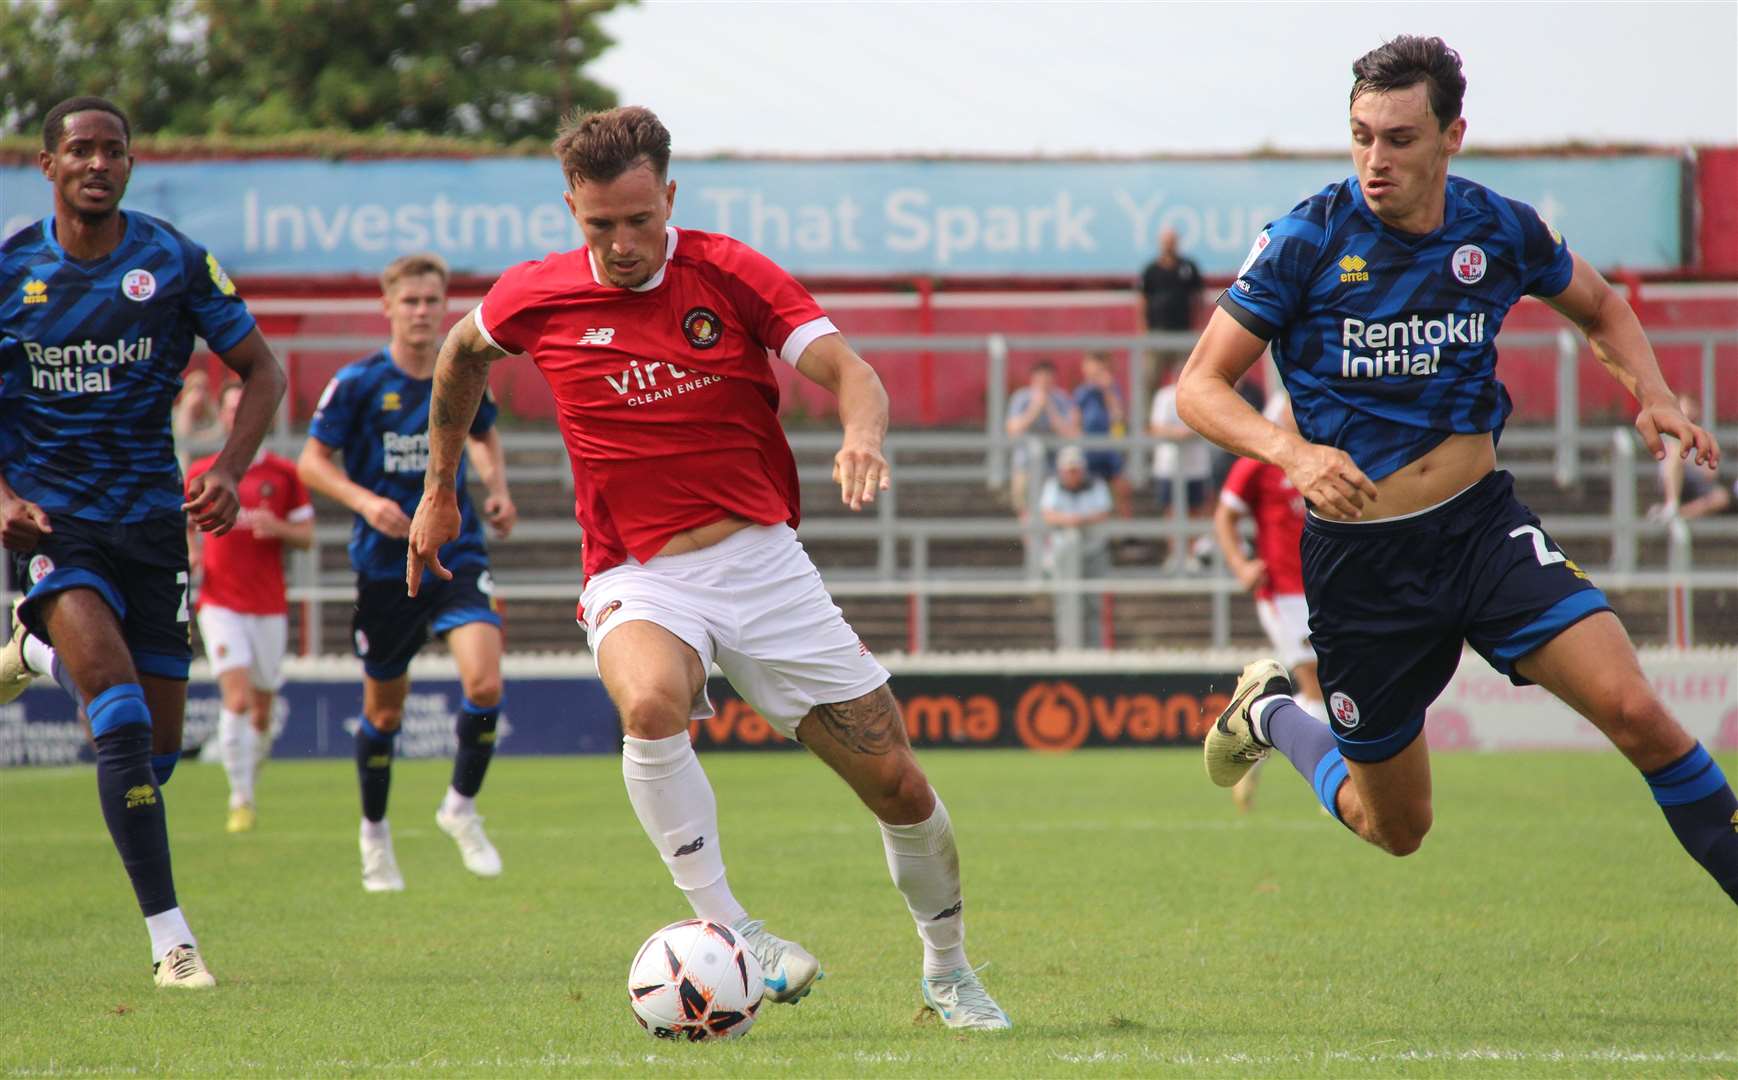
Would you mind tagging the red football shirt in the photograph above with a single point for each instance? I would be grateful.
(244, 572)
(1263, 492)
(664, 393)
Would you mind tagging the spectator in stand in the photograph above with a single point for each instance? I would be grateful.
(1039, 408)
(1102, 413)
(1688, 490)
(1189, 455)
(1074, 503)
(1264, 494)
(193, 419)
(1170, 288)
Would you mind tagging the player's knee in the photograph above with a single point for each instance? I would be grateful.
(1404, 834)
(648, 713)
(1644, 729)
(385, 721)
(484, 690)
(903, 796)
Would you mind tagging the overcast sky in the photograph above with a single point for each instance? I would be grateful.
(1134, 78)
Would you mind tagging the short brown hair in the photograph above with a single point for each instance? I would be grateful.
(603, 145)
(1407, 61)
(416, 264)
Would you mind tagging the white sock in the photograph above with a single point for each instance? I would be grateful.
(377, 830)
(457, 805)
(1316, 707)
(926, 869)
(168, 930)
(235, 741)
(674, 802)
(1258, 716)
(38, 655)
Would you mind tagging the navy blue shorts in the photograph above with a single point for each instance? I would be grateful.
(139, 569)
(1392, 601)
(390, 627)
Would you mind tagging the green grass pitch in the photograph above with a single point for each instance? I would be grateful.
(1134, 926)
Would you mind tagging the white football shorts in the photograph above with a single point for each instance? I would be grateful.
(256, 642)
(754, 604)
(1286, 618)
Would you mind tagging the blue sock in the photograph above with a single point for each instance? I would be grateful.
(131, 800)
(476, 731)
(1308, 744)
(374, 768)
(1703, 812)
(163, 765)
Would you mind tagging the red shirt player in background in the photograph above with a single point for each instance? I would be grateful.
(655, 341)
(1275, 575)
(242, 613)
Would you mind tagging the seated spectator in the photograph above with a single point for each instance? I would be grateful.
(1688, 490)
(1038, 408)
(1102, 413)
(1074, 502)
(1189, 456)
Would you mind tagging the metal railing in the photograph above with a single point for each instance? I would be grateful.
(903, 562)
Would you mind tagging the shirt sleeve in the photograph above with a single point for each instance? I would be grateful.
(1546, 264)
(1273, 283)
(336, 412)
(777, 311)
(218, 313)
(487, 411)
(506, 318)
(1239, 490)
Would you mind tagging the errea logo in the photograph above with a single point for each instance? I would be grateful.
(36, 292)
(598, 335)
(1352, 269)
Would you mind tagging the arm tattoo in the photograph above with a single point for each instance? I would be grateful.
(869, 725)
(461, 377)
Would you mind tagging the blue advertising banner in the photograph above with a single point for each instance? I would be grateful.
(1031, 218)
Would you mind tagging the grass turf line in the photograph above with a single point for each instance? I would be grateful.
(1134, 925)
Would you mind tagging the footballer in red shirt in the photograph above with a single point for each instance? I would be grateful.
(659, 344)
(1263, 493)
(241, 609)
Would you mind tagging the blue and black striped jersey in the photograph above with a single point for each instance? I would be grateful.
(378, 417)
(1387, 341)
(91, 355)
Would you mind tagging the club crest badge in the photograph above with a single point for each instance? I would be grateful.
(1469, 264)
(138, 286)
(702, 328)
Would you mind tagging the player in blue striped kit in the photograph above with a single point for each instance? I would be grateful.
(99, 308)
(1381, 297)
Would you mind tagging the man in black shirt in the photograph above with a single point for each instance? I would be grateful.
(1169, 285)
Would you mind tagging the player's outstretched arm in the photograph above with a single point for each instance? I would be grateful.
(461, 375)
(212, 501)
(1620, 344)
(1208, 401)
(858, 467)
(490, 461)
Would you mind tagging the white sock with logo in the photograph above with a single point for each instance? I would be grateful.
(926, 870)
(674, 802)
(236, 740)
(168, 930)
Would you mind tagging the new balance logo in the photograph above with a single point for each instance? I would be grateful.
(690, 848)
(598, 335)
(949, 913)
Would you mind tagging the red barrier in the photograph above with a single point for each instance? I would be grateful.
(1717, 193)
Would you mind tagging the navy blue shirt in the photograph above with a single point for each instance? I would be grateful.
(378, 417)
(91, 356)
(1387, 341)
